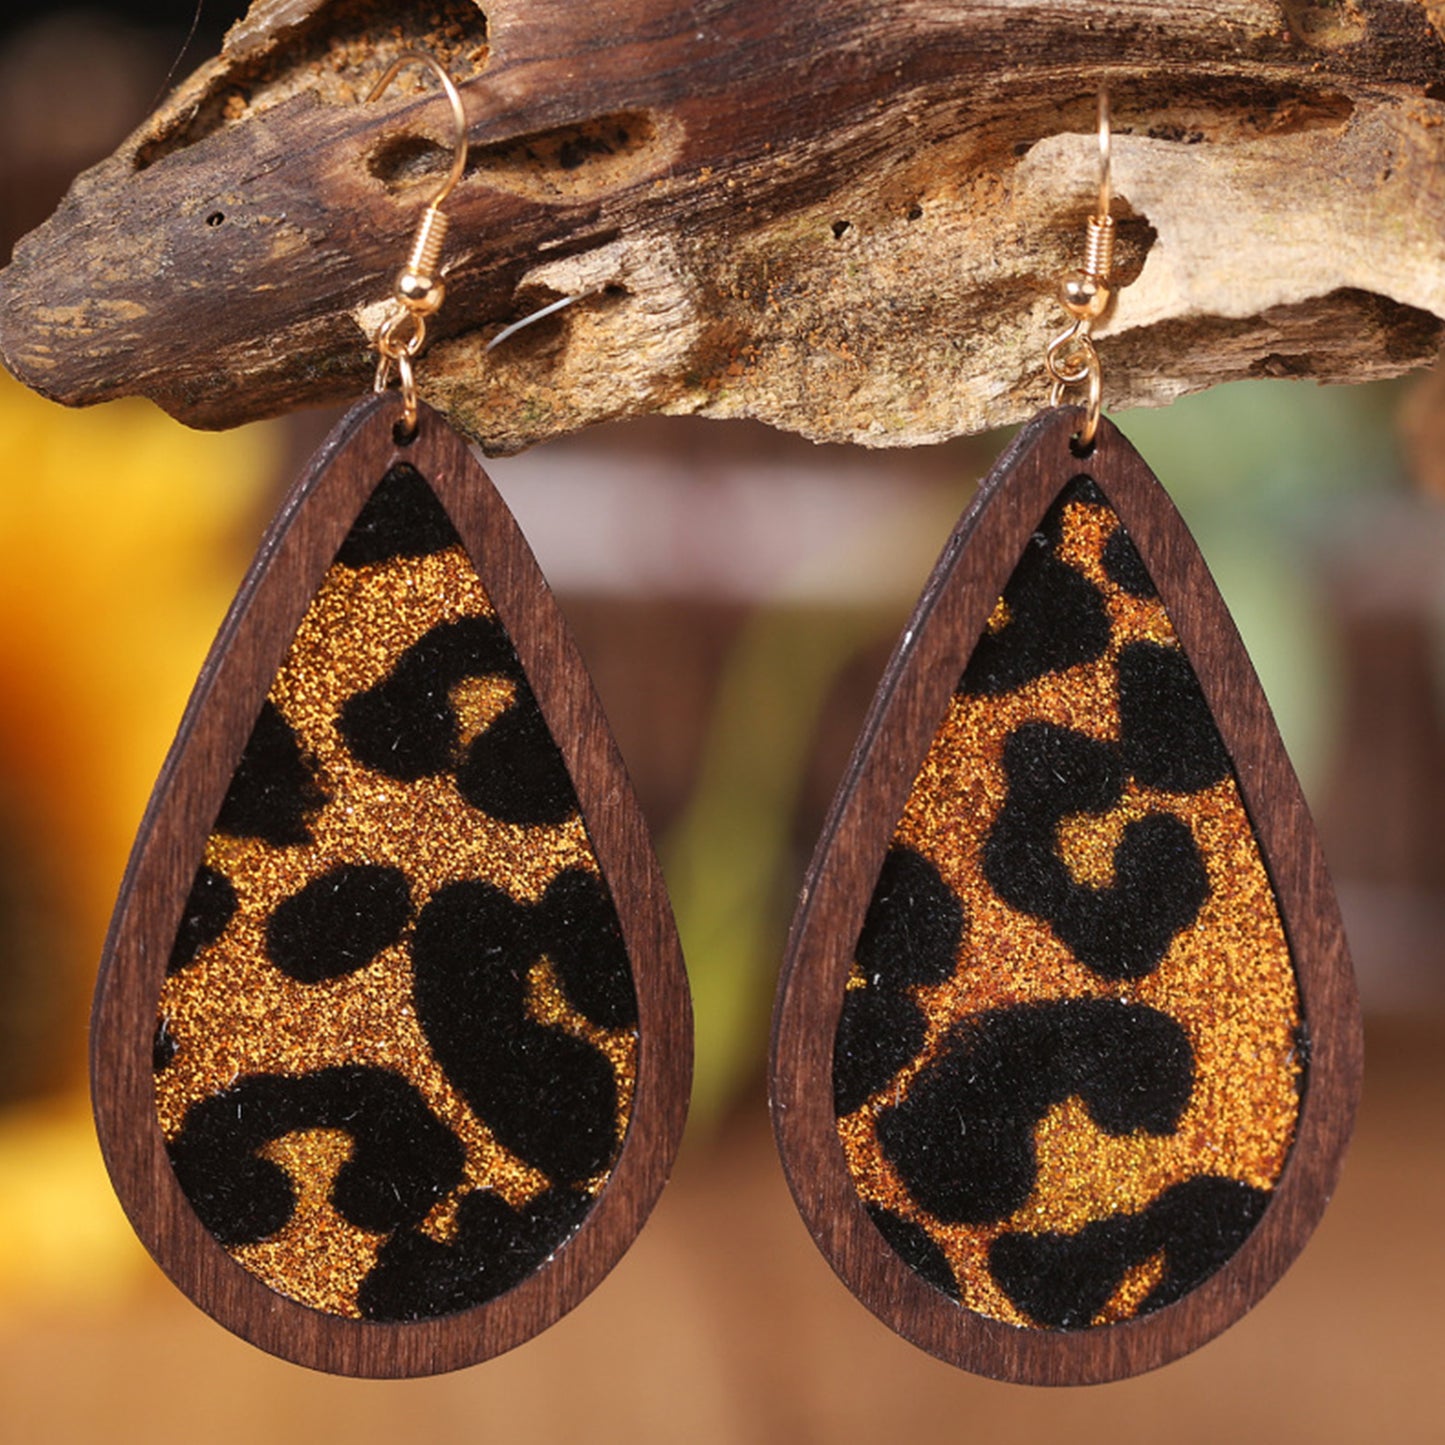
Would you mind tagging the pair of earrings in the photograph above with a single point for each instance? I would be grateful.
(392, 1039)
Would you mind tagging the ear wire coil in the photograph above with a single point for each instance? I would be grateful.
(426, 246)
(1099, 248)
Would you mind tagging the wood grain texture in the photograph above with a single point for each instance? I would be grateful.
(912, 700)
(252, 643)
(844, 218)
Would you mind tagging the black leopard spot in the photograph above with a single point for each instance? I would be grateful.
(1057, 617)
(495, 1248)
(1065, 1280)
(963, 1140)
(1056, 621)
(878, 1033)
(1124, 930)
(338, 922)
(514, 769)
(914, 925)
(406, 726)
(1168, 733)
(918, 1251)
(1124, 567)
(577, 928)
(547, 1096)
(274, 787)
(209, 909)
(402, 518)
(405, 1159)
(910, 936)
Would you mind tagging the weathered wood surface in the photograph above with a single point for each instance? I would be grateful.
(844, 218)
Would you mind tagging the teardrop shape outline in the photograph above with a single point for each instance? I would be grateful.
(298, 549)
(912, 699)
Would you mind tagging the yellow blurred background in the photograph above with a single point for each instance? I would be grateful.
(736, 619)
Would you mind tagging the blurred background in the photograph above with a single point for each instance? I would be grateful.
(735, 592)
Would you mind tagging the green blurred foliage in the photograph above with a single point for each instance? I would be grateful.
(1258, 469)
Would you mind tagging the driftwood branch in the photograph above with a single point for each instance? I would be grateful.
(844, 218)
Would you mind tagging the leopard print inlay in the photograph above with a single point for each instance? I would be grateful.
(1068, 1068)
(397, 1042)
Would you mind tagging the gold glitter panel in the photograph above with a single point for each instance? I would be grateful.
(232, 1015)
(1226, 979)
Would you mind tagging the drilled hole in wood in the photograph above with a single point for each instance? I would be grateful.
(216, 218)
(841, 229)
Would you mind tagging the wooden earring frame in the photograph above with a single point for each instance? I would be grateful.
(249, 650)
(912, 699)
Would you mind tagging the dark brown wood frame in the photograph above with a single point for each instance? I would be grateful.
(249, 649)
(911, 702)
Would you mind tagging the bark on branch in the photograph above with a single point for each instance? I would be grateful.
(843, 217)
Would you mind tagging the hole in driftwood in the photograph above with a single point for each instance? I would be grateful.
(1134, 238)
(1282, 367)
(1230, 109)
(401, 159)
(572, 161)
(547, 332)
(1324, 24)
(1317, 110)
(543, 335)
(334, 53)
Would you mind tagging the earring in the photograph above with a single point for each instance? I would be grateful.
(392, 1041)
(1066, 1046)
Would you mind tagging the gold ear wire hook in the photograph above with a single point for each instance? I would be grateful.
(1099, 243)
(459, 115)
(1072, 360)
(419, 289)
(1106, 154)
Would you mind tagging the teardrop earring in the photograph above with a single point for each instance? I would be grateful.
(1066, 1047)
(392, 1043)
